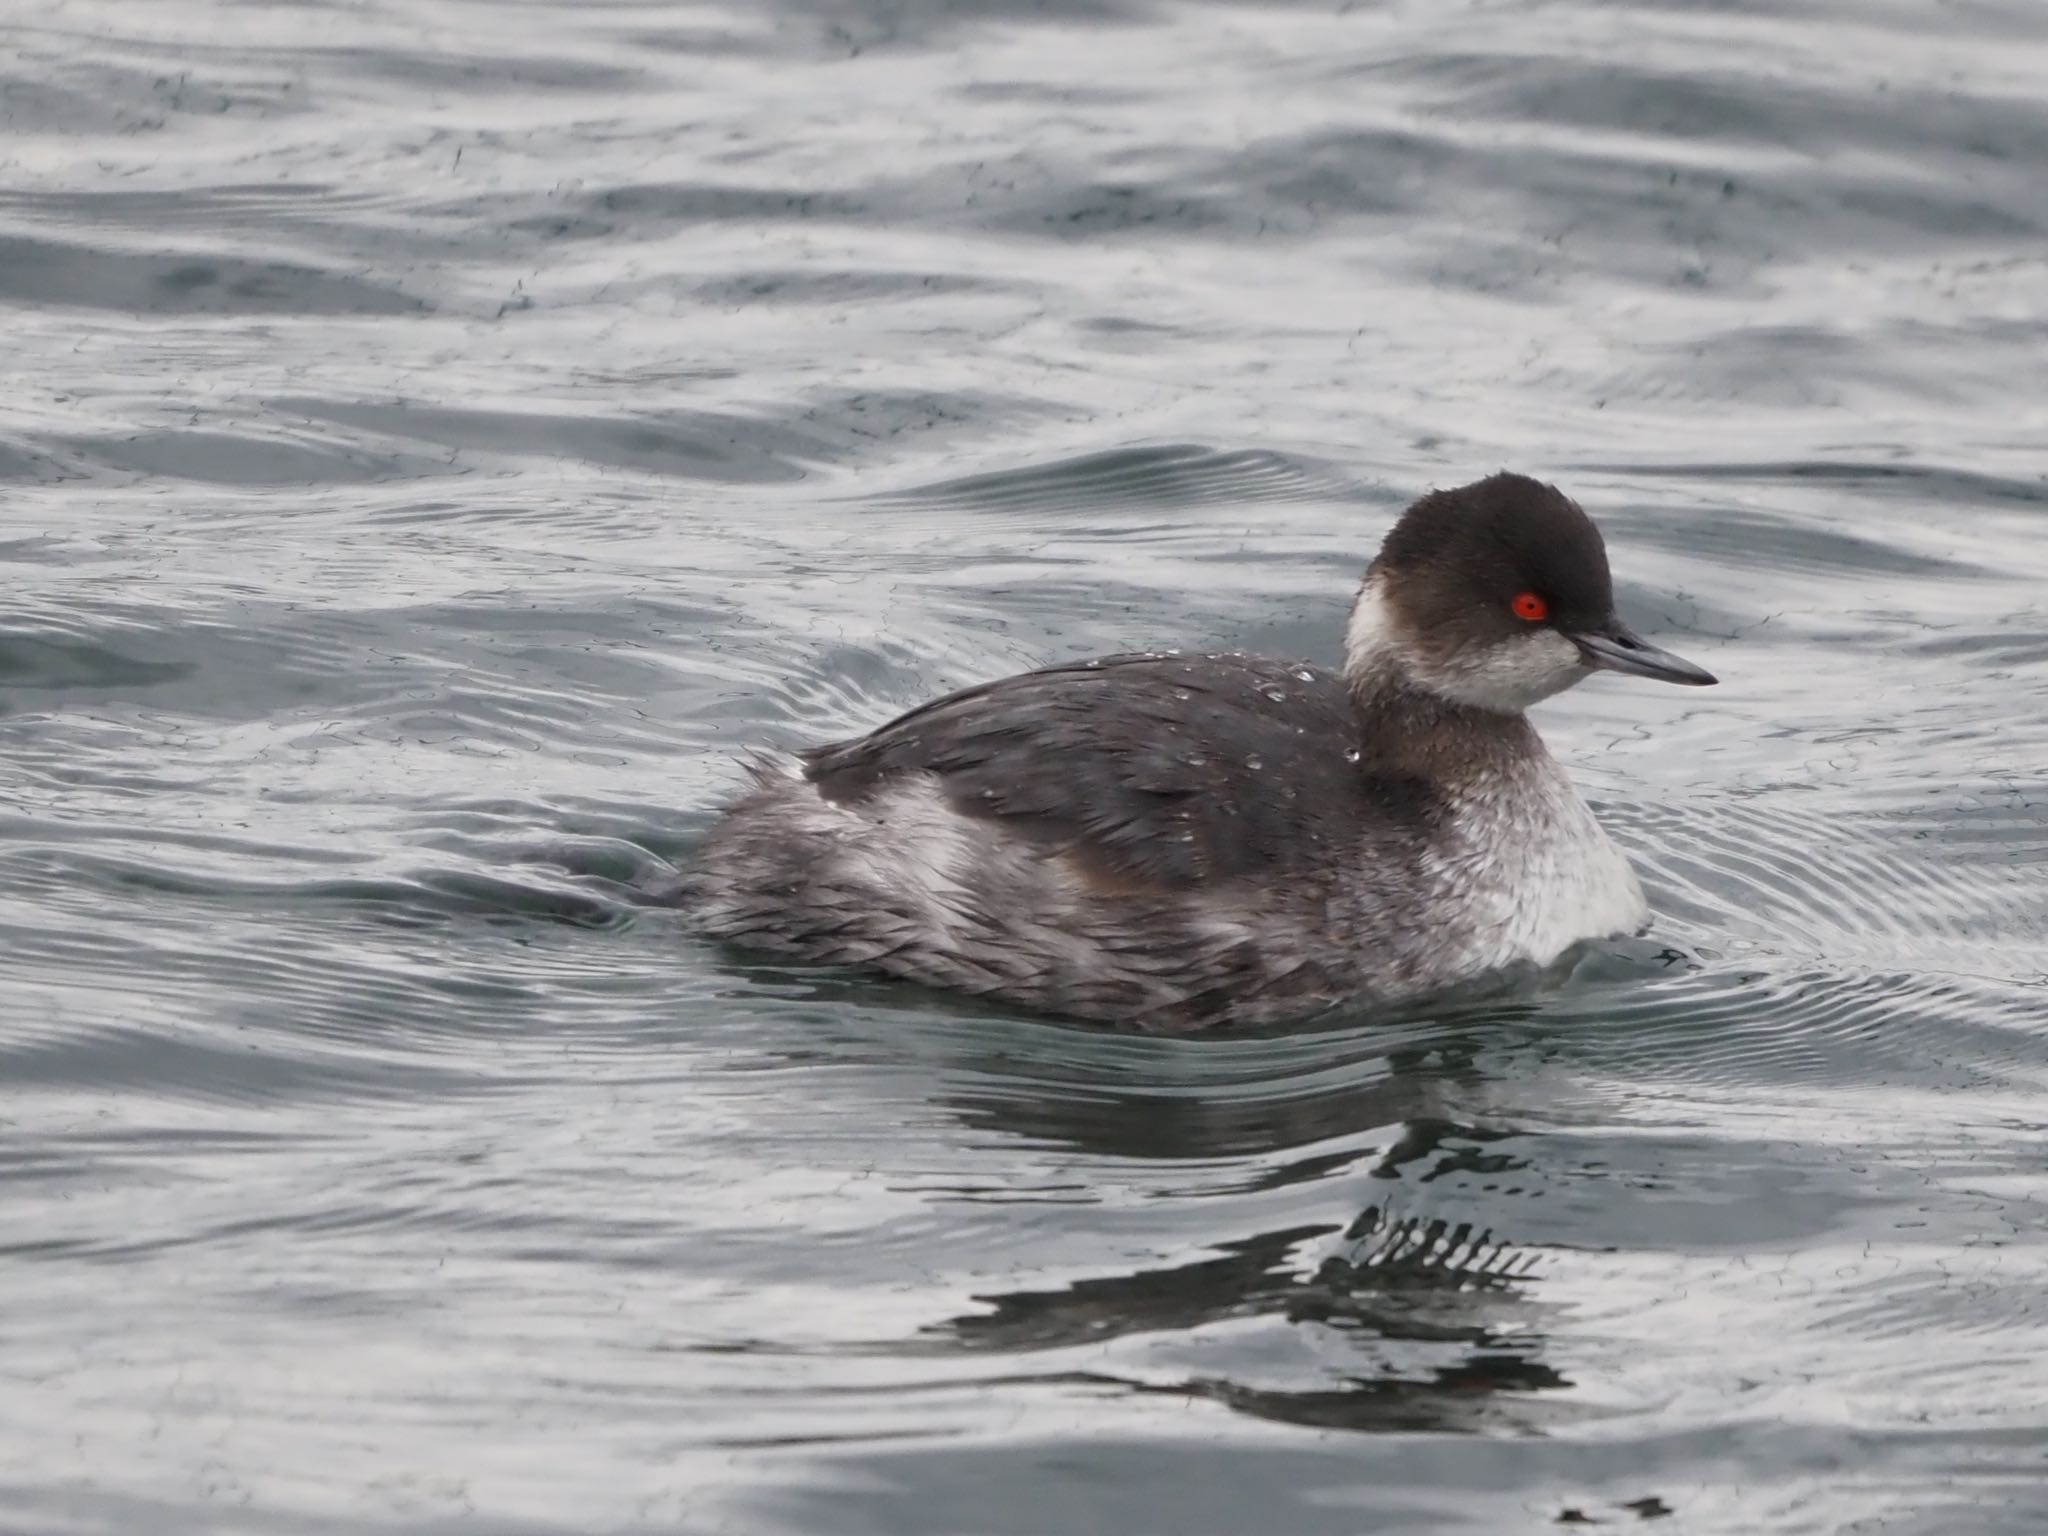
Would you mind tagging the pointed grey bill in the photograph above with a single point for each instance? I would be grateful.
(1614, 647)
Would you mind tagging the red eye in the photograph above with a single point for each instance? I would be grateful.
(1531, 607)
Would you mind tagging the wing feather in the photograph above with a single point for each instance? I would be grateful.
(1146, 773)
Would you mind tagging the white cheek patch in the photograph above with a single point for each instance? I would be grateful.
(1512, 675)
(1369, 637)
(1505, 677)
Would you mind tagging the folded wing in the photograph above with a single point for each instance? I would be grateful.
(1145, 773)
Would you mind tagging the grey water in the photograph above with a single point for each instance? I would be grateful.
(437, 437)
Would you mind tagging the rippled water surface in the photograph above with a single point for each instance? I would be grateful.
(438, 435)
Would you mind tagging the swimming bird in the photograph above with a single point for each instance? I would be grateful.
(1178, 843)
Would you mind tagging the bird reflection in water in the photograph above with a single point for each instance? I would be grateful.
(1401, 1320)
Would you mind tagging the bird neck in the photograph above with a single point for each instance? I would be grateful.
(1406, 727)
